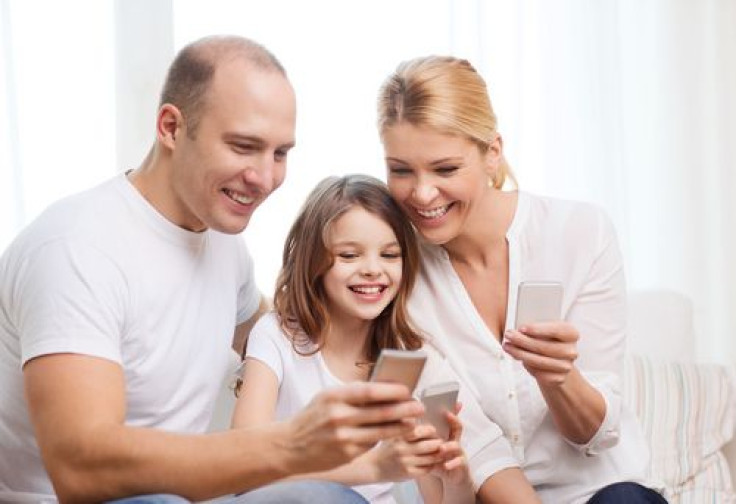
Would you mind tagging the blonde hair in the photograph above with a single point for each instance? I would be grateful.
(300, 299)
(446, 94)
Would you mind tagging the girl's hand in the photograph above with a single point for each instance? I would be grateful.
(548, 350)
(453, 470)
(412, 456)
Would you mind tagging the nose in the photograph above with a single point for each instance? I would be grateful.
(263, 174)
(370, 266)
(424, 192)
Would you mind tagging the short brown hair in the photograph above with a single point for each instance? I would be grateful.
(191, 72)
(300, 298)
(446, 94)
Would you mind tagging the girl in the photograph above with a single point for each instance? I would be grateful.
(349, 264)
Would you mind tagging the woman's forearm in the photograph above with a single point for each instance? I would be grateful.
(578, 409)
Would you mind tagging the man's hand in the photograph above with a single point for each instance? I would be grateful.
(342, 423)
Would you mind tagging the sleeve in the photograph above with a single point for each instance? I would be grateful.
(249, 296)
(264, 344)
(599, 314)
(485, 446)
(69, 298)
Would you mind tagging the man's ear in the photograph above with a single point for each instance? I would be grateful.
(169, 125)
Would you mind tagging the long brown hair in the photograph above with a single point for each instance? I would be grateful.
(300, 298)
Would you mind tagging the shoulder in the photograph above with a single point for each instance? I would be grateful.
(268, 327)
(65, 217)
(562, 218)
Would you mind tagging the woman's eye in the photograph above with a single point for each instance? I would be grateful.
(446, 170)
(399, 170)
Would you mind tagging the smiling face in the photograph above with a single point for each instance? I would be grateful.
(366, 273)
(438, 179)
(221, 173)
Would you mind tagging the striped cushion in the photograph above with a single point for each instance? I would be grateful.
(688, 412)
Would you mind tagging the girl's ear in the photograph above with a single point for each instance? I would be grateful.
(169, 124)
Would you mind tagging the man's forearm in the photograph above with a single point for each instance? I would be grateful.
(128, 461)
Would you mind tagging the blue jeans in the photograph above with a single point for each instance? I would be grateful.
(290, 492)
(626, 493)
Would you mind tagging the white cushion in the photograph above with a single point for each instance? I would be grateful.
(688, 412)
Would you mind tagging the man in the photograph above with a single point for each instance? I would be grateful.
(117, 307)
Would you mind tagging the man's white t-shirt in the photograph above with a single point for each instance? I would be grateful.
(301, 377)
(549, 240)
(102, 273)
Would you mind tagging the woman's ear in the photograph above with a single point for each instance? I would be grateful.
(169, 124)
(494, 156)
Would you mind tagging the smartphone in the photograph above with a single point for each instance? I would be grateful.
(538, 302)
(399, 366)
(437, 400)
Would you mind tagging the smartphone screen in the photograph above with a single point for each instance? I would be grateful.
(437, 400)
(538, 302)
(399, 366)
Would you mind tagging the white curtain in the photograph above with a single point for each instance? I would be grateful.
(625, 103)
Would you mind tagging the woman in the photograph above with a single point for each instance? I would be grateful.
(553, 387)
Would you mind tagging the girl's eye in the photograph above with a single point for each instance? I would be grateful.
(391, 255)
(347, 255)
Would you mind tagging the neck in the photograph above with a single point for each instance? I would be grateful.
(348, 342)
(485, 230)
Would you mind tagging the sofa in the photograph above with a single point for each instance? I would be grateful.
(687, 408)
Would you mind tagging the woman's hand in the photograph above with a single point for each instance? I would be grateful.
(548, 350)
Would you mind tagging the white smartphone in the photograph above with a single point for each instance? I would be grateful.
(399, 366)
(538, 302)
(437, 400)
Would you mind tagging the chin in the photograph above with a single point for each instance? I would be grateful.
(230, 227)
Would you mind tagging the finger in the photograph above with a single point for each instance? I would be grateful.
(427, 446)
(451, 449)
(456, 426)
(454, 463)
(423, 461)
(554, 349)
(361, 393)
(559, 331)
(367, 436)
(402, 412)
(421, 431)
(535, 362)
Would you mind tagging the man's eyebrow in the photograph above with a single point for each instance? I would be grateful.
(239, 137)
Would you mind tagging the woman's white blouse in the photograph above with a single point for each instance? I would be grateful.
(549, 240)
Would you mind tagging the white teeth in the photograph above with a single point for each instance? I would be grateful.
(240, 198)
(367, 290)
(433, 213)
